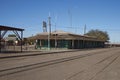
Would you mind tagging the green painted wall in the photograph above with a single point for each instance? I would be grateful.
(78, 44)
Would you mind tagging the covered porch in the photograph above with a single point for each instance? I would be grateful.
(17, 31)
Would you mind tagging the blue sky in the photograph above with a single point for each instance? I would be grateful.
(29, 14)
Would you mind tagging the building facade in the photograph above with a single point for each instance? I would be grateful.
(61, 39)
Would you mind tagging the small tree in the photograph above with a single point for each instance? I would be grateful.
(102, 35)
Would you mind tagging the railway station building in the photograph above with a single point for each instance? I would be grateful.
(62, 39)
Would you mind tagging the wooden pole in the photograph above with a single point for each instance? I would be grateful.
(21, 39)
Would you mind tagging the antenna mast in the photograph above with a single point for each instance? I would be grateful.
(85, 29)
(70, 18)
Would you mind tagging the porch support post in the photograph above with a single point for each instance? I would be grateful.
(72, 44)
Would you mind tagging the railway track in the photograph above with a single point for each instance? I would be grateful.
(19, 69)
(90, 71)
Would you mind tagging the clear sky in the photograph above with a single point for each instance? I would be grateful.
(29, 15)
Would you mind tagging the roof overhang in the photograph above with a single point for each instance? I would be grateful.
(10, 28)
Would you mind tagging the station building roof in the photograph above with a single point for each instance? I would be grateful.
(59, 35)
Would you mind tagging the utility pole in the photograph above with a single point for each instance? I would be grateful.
(55, 37)
(85, 29)
(49, 31)
(49, 23)
(84, 36)
(70, 18)
(55, 33)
